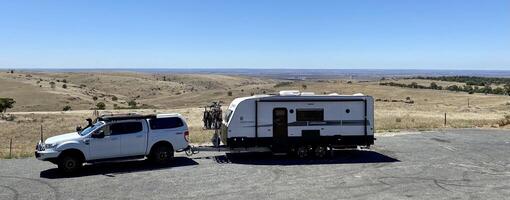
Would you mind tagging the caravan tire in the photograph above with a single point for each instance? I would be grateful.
(303, 151)
(320, 151)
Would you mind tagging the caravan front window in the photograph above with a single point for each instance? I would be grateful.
(228, 114)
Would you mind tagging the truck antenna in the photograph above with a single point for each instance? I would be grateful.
(42, 138)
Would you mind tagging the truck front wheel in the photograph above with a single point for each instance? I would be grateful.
(162, 154)
(69, 164)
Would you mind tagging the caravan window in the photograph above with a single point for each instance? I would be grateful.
(227, 115)
(309, 115)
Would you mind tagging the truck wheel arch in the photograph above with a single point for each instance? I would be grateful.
(73, 152)
(161, 143)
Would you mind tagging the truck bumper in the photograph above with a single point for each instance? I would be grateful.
(46, 155)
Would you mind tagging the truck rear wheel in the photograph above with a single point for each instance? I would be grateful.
(162, 154)
(69, 164)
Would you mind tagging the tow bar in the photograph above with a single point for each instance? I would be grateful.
(191, 150)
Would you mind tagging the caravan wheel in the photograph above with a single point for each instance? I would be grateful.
(320, 151)
(302, 151)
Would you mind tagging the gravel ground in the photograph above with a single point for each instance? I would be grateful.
(451, 164)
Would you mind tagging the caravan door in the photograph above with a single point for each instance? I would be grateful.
(280, 129)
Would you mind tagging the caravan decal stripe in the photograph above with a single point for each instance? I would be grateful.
(323, 123)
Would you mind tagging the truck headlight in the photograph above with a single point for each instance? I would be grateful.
(50, 146)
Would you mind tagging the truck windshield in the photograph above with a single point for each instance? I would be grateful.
(90, 128)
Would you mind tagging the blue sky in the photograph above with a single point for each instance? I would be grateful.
(410, 34)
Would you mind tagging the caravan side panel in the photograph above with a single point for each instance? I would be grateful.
(343, 121)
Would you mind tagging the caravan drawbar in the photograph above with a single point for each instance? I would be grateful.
(299, 121)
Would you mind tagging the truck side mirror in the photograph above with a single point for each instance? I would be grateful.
(98, 134)
(78, 128)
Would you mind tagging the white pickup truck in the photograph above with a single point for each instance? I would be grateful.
(116, 137)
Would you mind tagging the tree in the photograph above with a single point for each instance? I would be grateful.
(498, 90)
(100, 106)
(6, 103)
(414, 85)
(487, 89)
(433, 85)
(66, 108)
(132, 104)
(507, 89)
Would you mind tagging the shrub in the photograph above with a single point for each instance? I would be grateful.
(94, 98)
(132, 104)
(398, 119)
(6, 103)
(281, 84)
(52, 84)
(66, 108)
(100, 106)
(8, 118)
(304, 86)
(229, 93)
(505, 121)
(64, 86)
(64, 81)
(114, 98)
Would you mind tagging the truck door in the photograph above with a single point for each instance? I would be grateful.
(133, 137)
(104, 147)
(280, 128)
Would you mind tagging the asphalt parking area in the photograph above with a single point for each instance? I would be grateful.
(463, 164)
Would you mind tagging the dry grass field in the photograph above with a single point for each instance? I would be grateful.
(40, 104)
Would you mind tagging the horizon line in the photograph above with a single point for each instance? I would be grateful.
(238, 68)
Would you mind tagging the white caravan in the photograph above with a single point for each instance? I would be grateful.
(299, 122)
